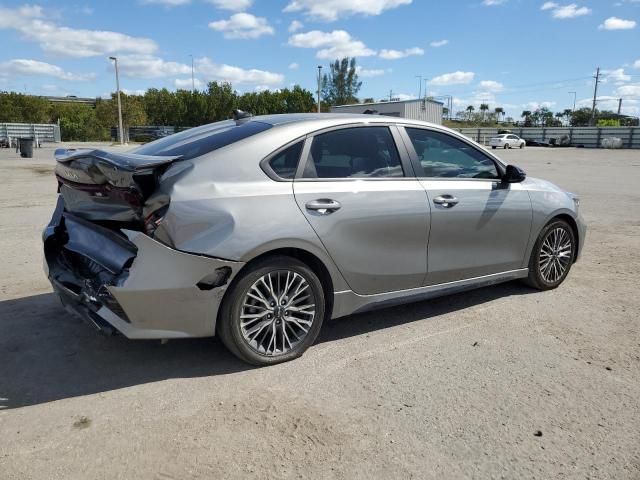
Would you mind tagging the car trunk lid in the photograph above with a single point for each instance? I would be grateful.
(108, 186)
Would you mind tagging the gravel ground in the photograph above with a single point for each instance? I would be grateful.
(502, 382)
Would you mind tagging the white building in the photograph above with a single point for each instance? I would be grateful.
(417, 109)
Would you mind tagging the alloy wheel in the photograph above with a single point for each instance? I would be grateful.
(556, 253)
(277, 312)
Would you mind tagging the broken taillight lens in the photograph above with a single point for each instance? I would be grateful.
(154, 219)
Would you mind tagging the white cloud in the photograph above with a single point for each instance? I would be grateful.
(616, 75)
(149, 66)
(186, 83)
(27, 67)
(295, 26)
(636, 64)
(236, 75)
(293, 66)
(330, 10)
(332, 45)
(233, 5)
(491, 86)
(368, 73)
(629, 91)
(615, 23)
(565, 11)
(403, 96)
(493, 3)
(536, 105)
(167, 3)
(439, 43)
(243, 26)
(70, 42)
(454, 78)
(396, 54)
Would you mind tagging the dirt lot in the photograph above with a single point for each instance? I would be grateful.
(502, 382)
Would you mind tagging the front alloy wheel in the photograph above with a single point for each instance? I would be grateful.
(552, 256)
(273, 313)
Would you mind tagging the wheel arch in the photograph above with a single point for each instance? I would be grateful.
(311, 260)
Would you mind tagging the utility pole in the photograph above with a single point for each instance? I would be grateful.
(120, 130)
(574, 101)
(193, 78)
(319, 76)
(390, 94)
(419, 86)
(619, 105)
(595, 95)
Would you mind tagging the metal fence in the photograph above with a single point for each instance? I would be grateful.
(44, 132)
(589, 137)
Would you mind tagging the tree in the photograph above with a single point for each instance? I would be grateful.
(526, 114)
(581, 117)
(499, 111)
(368, 100)
(483, 108)
(470, 110)
(341, 85)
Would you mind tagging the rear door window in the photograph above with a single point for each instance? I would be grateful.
(200, 140)
(361, 152)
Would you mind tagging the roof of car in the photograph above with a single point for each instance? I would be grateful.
(337, 118)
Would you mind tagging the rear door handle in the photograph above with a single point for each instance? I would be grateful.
(446, 201)
(324, 206)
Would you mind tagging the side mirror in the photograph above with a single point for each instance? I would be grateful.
(514, 174)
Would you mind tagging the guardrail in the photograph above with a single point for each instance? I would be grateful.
(589, 137)
(43, 132)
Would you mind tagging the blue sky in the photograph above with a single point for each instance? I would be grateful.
(518, 54)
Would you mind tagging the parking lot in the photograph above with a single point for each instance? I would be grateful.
(501, 382)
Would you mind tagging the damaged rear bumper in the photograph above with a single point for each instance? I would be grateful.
(129, 282)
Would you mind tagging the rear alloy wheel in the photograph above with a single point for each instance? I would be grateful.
(552, 256)
(273, 313)
(507, 146)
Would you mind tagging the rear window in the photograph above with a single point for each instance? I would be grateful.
(200, 140)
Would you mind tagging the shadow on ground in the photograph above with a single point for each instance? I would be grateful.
(47, 354)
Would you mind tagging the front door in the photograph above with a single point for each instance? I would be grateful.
(479, 224)
(372, 219)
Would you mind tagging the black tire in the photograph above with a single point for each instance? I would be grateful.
(521, 146)
(536, 279)
(506, 146)
(229, 329)
(493, 148)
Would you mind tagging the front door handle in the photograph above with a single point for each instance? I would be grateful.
(324, 206)
(446, 201)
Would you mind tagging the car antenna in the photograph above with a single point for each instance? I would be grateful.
(239, 115)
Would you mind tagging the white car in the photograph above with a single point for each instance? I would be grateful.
(507, 140)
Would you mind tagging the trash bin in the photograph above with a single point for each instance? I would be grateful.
(26, 147)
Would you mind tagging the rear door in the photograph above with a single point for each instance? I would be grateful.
(479, 225)
(358, 192)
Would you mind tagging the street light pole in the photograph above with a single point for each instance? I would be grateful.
(193, 79)
(319, 74)
(120, 130)
(574, 101)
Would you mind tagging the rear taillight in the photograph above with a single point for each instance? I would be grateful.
(154, 219)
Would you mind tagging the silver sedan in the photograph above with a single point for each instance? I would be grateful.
(258, 229)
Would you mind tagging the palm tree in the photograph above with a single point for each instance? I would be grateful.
(499, 111)
(484, 107)
(559, 115)
(470, 110)
(568, 113)
(526, 114)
